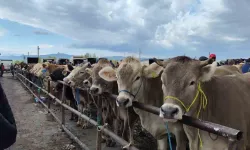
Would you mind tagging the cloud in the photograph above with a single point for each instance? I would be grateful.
(195, 26)
(41, 32)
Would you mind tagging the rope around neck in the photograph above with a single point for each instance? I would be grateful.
(203, 104)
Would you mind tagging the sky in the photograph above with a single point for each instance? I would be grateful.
(159, 28)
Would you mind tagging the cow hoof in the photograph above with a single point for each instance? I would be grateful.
(126, 147)
(110, 143)
(103, 140)
(78, 124)
(87, 126)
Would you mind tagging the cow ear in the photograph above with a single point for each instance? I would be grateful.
(152, 71)
(89, 71)
(108, 74)
(207, 71)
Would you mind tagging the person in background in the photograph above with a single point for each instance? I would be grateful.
(246, 66)
(112, 63)
(12, 69)
(213, 57)
(8, 131)
(2, 69)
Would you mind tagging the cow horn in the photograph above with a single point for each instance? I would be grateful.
(206, 62)
(159, 62)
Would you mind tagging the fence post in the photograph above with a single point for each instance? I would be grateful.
(99, 122)
(48, 98)
(63, 102)
(232, 144)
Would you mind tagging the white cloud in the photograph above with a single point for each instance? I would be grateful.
(236, 39)
(126, 25)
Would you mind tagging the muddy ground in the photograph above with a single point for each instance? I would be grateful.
(37, 131)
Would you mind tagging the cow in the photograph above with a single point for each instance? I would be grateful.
(111, 113)
(48, 68)
(190, 88)
(86, 103)
(58, 75)
(226, 70)
(137, 82)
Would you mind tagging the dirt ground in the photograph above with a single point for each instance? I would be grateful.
(37, 131)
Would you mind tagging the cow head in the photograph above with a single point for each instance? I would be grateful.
(76, 76)
(129, 76)
(99, 85)
(181, 79)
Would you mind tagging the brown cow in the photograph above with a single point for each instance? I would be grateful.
(137, 82)
(227, 70)
(112, 114)
(75, 79)
(190, 88)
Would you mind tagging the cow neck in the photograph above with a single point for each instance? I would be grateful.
(150, 92)
(195, 108)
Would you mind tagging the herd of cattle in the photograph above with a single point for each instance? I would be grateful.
(179, 85)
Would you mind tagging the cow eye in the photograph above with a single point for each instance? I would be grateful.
(82, 72)
(137, 78)
(192, 83)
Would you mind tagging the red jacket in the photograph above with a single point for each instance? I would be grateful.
(2, 67)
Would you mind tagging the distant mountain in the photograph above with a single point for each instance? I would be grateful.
(58, 55)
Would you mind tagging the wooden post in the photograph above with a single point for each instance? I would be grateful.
(99, 122)
(232, 144)
(48, 98)
(63, 101)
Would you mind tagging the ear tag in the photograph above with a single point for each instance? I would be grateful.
(153, 74)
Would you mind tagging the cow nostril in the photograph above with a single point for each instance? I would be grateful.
(174, 111)
(126, 102)
(94, 90)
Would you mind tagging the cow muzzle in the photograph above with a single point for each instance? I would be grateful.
(123, 102)
(170, 112)
(95, 90)
(66, 80)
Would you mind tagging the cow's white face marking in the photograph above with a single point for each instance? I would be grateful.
(96, 89)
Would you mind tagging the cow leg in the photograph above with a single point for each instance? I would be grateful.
(75, 116)
(162, 144)
(180, 140)
(125, 130)
(130, 123)
(72, 114)
(80, 109)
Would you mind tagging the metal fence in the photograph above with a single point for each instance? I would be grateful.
(231, 134)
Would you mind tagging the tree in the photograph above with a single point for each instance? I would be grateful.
(17, 62)
(88, 55)
(52, 57)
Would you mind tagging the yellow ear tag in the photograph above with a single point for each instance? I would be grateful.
(154, 75)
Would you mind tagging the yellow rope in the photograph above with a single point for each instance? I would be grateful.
(203, 105)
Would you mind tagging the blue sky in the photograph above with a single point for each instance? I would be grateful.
(123, 27)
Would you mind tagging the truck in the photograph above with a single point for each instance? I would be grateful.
(6, 64)
(32, 60)
(62, 61)
(77, 60)
(50, 60)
